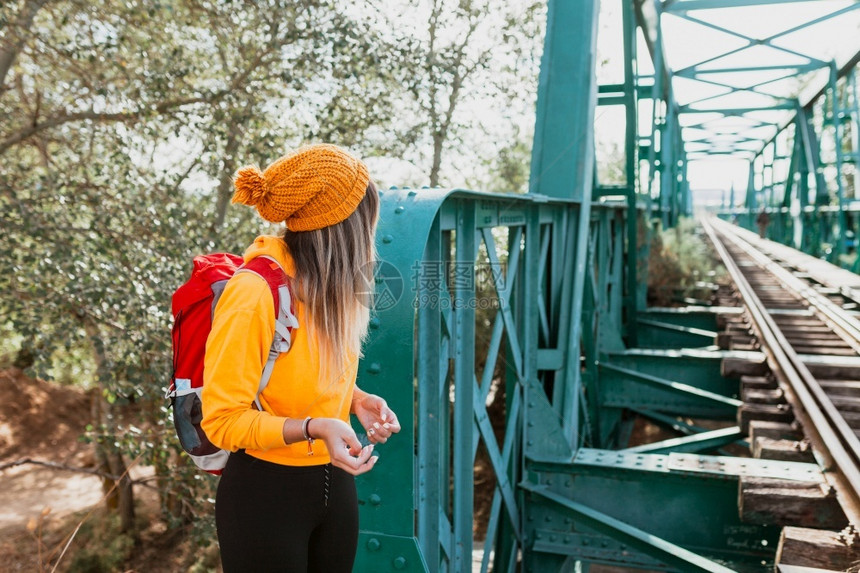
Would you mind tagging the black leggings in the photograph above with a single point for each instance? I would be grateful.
(287, 519)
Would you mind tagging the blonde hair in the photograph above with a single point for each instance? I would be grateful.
(334, 280)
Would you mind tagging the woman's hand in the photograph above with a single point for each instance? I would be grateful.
(343, 446)
(376, 417)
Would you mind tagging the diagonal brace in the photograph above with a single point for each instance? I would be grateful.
(676, 387)
(691, 444)
(673, 555)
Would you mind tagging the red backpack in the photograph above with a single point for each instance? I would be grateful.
(193, 307)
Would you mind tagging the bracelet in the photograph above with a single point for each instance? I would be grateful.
(307, 436)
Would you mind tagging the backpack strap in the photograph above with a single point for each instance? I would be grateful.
(271, 271)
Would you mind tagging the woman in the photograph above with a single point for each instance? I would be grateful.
(286, 500)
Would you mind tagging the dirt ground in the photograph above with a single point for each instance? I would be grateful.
(40, 507)
(42, 421)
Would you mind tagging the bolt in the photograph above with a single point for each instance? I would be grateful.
(393, 187)
(400, 563)
(375, 499)
(530, 442)
(374, 368)
(373, 544)
(412, 193)
(399, 209)
(374, 323)
(387, 239)
(552, 538)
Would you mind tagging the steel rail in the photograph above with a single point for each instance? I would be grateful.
(831, 313)
(837, 452)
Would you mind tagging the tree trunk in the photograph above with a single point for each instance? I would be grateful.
(225, 182)
(108, 454)
(438, 142)
(126, 492)
(172, 505)
(102, 464)
(17, 34)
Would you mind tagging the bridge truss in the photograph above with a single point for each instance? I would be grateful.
(530, 309)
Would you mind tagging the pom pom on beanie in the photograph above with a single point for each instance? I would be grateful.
(313, 187)
(250, 186)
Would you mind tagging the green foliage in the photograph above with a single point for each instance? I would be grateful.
(121, 124)
(104, 548)
(680, 264)
(10, 343)
(208, 562)
(509, 167)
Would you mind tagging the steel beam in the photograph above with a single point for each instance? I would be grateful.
(687, 5)
(669, 553)
(563, 150)
(701, 442)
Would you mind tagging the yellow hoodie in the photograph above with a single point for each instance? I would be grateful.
(236, 352)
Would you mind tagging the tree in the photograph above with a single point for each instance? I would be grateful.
(122, 122)
(122, 125)
(474, 57)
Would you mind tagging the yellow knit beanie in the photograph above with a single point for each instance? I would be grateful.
(313, 187)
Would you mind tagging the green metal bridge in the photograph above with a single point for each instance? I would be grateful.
(538, 302)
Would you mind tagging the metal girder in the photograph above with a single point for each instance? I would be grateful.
(657, 334)
(739, 111)
(443, 259)
(685, 5)
(694, 72)
(702, 442)
(643, 502)
(690, 10)
(818, 225)
(564, 126)
(673, 555)
(624, 387)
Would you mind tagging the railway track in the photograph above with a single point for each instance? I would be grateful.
(811, 337)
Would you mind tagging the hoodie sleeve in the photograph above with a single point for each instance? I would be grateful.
(236, 351)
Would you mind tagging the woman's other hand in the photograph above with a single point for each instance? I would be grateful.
(377, 418)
